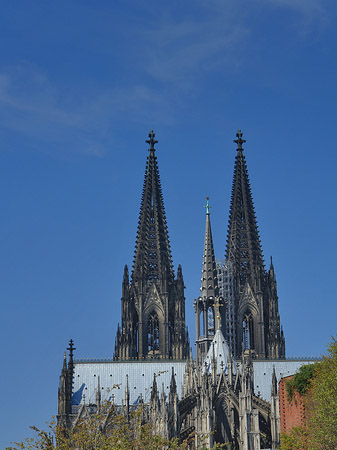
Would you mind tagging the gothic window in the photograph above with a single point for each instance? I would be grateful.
(201, 322)
(170, 336)
(248, 332)
(153, 333)
(136, 336)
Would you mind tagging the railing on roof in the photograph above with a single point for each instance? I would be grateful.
(131, 360)
(137, 360)
(291, 358)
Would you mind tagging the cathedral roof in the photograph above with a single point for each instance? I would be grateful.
(113, 377)
(220, 351)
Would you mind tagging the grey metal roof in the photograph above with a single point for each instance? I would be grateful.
(112, 377)
(263, 373)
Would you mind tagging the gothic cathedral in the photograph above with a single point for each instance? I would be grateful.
(228, 392)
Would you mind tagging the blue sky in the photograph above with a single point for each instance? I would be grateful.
(81, 84)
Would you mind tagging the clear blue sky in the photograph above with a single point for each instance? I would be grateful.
(81, 84)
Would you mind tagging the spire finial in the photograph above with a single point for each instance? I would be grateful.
(152, 141)
(208, 206)
(217, 310)
(239, 141)
(71, 348)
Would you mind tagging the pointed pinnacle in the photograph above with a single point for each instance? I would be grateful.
(239, 141)
(151, 141)
(64, 362)
(208, 206)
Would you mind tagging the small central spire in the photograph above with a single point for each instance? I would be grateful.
(208, 206)
(152, 141)
(239, 141)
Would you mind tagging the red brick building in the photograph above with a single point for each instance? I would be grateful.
(292, 414)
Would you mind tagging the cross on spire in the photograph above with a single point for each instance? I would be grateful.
(207, 206)
(71, 348)
(217, 309)
(152, 141)
(239, 141)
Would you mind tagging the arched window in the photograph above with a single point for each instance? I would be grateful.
(248, 332)
(202, 322)
(136, 337)
(153, 333)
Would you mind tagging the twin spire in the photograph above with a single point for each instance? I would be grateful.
(243, 241)
(152, 258)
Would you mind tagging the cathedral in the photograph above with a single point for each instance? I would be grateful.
(228, 392)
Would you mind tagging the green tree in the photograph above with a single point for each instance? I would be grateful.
(89, 434)
(295, 439)
(322, 403)
(94, 433)
(301, 381)
(320, 400)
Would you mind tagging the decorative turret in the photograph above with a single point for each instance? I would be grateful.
(70, 373)
(127, 399)
(65, 387)
(173, 408)
(256, 321)
(125, 282)
(153, 303)
(98, 394)
(275, 338)
(275, 412)
(154, 401)
(62, 391)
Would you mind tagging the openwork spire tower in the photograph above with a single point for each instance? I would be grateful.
(153, 303)
(152, 259)
(256, 321)
(243, 242)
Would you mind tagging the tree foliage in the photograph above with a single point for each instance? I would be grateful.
(90, 434)
(94, 433)
(301, 381)
(296, 439)
(320, 400)
(322, 403)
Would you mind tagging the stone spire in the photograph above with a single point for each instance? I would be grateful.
(65, 387)
(209, 282)
(274, 389)
(153, 253)
(63, 393)
(70, 371)
(207, 312)
(243, 241)
(153, 302)
(256, 320)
